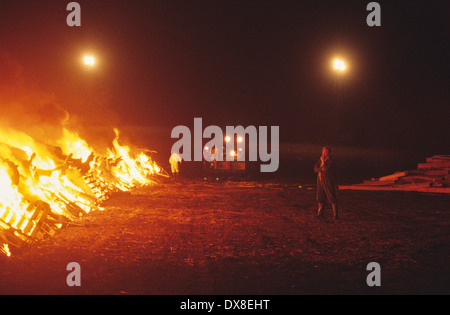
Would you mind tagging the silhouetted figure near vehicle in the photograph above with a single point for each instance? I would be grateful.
(326, 182)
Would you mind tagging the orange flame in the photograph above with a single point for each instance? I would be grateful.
(42, 186)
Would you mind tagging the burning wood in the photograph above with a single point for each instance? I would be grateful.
(43, 188)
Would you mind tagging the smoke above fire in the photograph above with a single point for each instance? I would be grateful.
(25, 108)
(51, 176)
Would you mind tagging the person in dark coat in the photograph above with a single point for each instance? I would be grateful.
(326, 182)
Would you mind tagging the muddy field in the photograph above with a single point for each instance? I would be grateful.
(215, 237)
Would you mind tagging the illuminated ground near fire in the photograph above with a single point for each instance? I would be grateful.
(229, 237)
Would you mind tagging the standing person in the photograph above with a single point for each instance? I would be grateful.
(175, 161)
(326, 185)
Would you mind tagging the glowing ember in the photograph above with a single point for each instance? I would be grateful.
(5, 250)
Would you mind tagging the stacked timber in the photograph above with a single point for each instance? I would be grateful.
(432, 176)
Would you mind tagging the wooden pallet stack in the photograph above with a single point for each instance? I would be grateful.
(36, 224)
(433, 176)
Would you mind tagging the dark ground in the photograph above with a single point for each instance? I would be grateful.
(239, 237)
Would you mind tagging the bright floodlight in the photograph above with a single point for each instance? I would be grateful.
(339, 65)
(89, 61)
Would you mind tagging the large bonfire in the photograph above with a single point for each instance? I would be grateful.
(45, 186)
(50, 176)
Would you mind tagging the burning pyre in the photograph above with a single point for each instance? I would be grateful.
(44, 187)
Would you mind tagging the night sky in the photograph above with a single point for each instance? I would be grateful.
(162, 63)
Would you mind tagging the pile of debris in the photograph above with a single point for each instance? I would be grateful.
(44, 187)
(432, 176)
